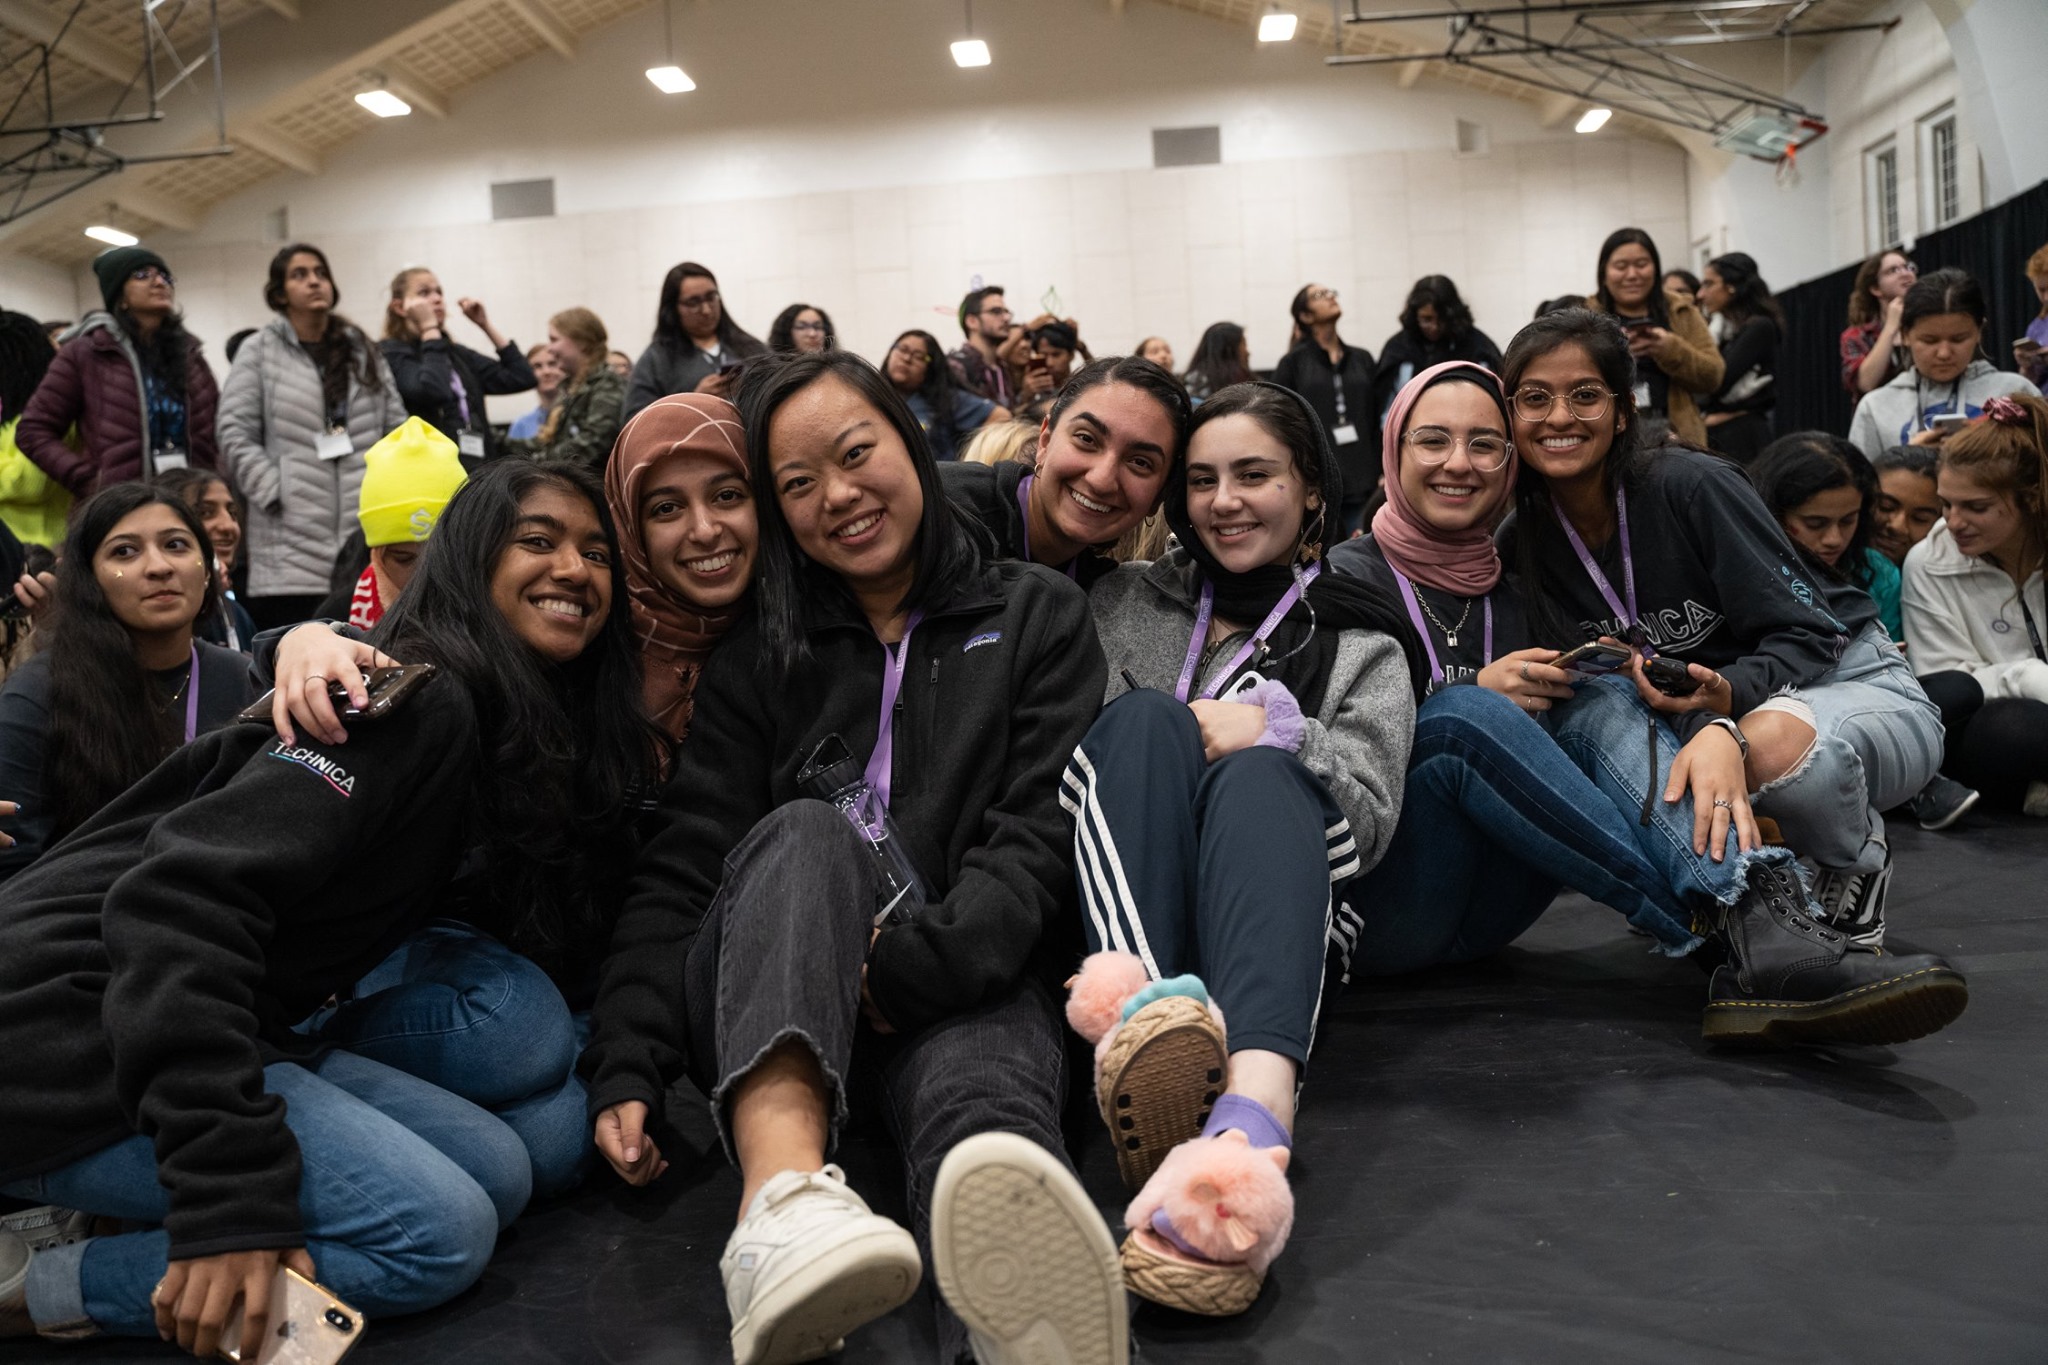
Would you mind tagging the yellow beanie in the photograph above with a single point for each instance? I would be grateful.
(408, 478)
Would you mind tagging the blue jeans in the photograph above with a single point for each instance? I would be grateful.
(461, 1011)
(1498, 816)
(403, 1190)
(1878, 739)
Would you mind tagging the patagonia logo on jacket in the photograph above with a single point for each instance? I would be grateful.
(988, 638)
(337, 776)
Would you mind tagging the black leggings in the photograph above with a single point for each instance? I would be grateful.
(1997, 746)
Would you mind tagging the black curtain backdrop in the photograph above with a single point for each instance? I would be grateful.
(1993, 246)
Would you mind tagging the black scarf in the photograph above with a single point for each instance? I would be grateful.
(1303, 648)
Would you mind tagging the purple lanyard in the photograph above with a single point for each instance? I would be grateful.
(1024, 511)
(461, 395)
(1626, 609)
(1436, 670)
(192, 697)
(1259, 636)
(882, 762)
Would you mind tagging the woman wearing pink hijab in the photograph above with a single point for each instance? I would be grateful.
(1497, 817)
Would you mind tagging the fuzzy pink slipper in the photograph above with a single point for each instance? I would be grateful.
(1208, 1225)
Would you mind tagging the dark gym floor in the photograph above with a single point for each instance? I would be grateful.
(1530, 1160)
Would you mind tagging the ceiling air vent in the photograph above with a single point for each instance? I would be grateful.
(1472, 139)
(1187, 146)
(523, 199)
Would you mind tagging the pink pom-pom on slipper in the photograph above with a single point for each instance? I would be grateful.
(1096, 995)
(1222, 1199)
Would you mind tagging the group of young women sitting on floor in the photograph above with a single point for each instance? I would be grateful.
(787, 764)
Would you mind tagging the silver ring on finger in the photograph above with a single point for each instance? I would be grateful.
(1724, 804)
(1525, 672)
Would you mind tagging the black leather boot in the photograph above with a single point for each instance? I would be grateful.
(1790, 979)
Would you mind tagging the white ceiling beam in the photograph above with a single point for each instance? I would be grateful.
(275, 145)
(415, 94)
(156, 208)
(81, 46)
(536, 15)
(1411, 72)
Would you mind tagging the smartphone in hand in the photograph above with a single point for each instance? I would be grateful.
(1594, 659)
(308, 1326)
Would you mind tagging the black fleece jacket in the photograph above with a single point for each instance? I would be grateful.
(152, 964)
(1717, 583)
(988, 494)
(1001, 683)
(425, 372)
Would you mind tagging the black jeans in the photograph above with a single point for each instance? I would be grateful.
(1998, 746)
(779, 958)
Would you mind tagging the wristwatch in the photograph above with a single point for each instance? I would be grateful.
(1741, 740)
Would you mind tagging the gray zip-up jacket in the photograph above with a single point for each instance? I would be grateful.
(1357, 744)
(301, 507)
(1892, 415)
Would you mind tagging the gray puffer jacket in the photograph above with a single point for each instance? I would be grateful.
(1358, 744)
(301, 507)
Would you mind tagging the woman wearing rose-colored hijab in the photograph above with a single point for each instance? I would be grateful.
(1497, 818)
(677, 485)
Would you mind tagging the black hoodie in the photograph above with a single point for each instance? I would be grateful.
(988, 494)
(1717, 582)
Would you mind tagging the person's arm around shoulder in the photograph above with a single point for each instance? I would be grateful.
(51, 412)
(1359, 745)
(966, 951)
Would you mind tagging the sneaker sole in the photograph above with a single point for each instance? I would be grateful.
(1962, 809)
(1894, 1011)
(1154, 1271)
(804, 1316)
(1160, 1077)
(1023, 1256)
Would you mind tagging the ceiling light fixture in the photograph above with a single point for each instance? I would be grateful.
(970, 51)
(670, 80)
(1593, 120)
(382, 102)
(112, 236)
(1277, 26)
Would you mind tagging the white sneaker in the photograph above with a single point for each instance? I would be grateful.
(808, 1264)
(47, 1226)
(2036, 802)
(15, 1255)
(1023, 1256)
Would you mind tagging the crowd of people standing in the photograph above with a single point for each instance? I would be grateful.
(835, 735)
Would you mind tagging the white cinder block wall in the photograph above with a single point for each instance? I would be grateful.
(879, 187)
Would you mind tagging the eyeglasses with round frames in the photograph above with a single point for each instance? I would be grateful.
(697, 303)
(1587, 402)
(1433, 446)
(144, 274)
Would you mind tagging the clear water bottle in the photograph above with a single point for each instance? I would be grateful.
(830, 775)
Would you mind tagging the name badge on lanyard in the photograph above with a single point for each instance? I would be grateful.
(169, 458)
(1344, 435)
(471, 443)
(333, 445)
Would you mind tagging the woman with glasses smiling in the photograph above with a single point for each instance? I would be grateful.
(799, 328)
(1750, 689)
(916, 368)
(697, 347)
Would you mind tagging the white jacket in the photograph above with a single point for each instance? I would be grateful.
(1963, 615)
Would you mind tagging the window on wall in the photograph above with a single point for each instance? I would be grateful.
(1941, 158)
(1881, 196)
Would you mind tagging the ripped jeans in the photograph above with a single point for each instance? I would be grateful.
(1877, 741)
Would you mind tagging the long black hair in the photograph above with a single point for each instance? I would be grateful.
(668, 317)
(782, 335)
(1305, 646)
(1660, 311)
(1750, 296)
(25, 356)
(784, 577)
(1441, 293)
(1216, 360)
(108, 728)
(1536, 523)
(338, 327)
(564, 752)
(1802, 464)
(936, 388)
